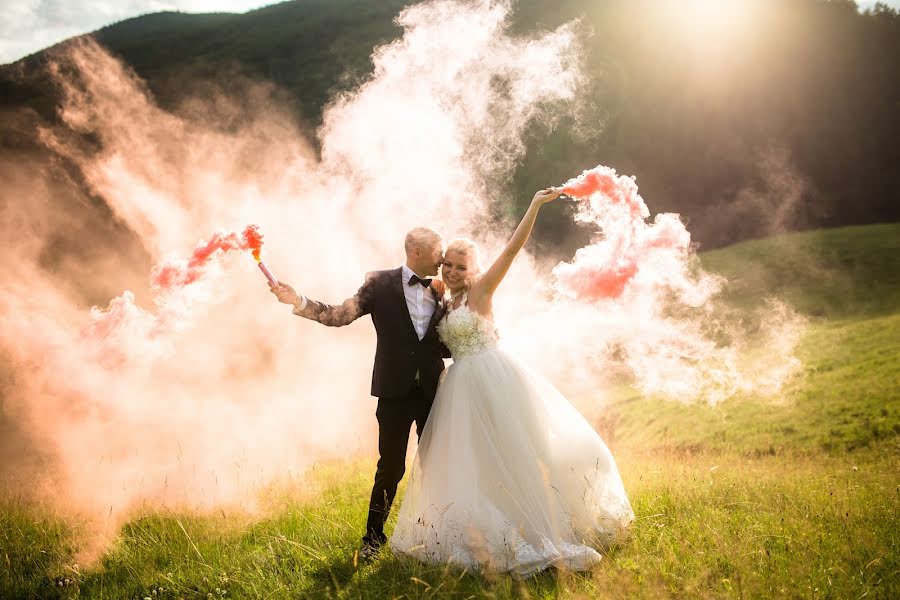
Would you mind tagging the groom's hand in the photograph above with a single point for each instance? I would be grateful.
(285, 293)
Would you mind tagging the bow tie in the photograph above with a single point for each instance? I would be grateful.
(415, 279)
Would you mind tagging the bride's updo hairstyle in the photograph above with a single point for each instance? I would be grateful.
(469, 249)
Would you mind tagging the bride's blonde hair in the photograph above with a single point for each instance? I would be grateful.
(470, 250)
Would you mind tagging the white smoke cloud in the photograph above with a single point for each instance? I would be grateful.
(242, 393)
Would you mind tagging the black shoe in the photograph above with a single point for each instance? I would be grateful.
(369, 551)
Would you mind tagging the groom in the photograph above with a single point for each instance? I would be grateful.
(405, 306)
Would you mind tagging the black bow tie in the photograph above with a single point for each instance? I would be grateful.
(415, 279)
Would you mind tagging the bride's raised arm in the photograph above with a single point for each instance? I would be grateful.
(483, 290)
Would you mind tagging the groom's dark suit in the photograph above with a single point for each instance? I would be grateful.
(404, 378)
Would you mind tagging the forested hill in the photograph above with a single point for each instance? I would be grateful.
(789, 121)
(311, 48)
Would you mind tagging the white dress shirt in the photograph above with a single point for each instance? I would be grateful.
(419, 301)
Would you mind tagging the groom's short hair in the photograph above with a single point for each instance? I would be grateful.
(421, 237)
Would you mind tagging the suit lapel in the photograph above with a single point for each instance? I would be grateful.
(438, 310)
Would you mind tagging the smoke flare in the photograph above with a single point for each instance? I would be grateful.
(124, 331)
(176, 273)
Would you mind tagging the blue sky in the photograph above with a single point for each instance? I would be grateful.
(27, 26)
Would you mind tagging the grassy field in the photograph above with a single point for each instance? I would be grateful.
(752, 498)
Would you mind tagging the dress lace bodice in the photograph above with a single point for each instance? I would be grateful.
(465, 332)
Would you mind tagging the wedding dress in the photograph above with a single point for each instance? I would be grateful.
(508, 475)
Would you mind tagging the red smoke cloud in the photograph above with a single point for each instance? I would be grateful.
(176, 273)
(606, 268)
(602, 281)
(113, 331)
(603, 182)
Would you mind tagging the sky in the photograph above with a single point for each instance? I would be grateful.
(27, 26)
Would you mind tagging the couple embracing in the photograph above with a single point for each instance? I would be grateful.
(508, 475)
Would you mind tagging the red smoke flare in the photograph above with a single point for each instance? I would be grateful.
(254, 240)
(124, 320)
(178, 273)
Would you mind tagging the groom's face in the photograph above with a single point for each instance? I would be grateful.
(429, 258)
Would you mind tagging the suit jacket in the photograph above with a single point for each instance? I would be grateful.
(399, 353)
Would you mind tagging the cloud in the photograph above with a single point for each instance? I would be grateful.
(27, 26)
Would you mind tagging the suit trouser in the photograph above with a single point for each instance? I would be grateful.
(395, 417)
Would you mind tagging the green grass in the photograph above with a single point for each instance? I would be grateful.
(845, 273)
(789, 497)
(847, 398)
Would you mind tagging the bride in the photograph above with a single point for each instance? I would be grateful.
(508, 475)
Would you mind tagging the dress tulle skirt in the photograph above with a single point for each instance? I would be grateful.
(508, 476)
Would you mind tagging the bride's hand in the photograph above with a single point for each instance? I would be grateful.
(545, 196)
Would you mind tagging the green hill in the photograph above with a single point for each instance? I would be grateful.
(850, 272)
(313, 48)
(847, 282)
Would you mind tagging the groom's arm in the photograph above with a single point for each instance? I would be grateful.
(334, 315)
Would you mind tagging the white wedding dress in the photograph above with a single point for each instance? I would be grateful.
(508, 475)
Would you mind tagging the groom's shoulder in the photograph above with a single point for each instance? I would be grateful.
(381, 276)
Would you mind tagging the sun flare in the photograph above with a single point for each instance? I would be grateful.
(711, 24)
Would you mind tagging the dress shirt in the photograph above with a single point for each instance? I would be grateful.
(419, 301)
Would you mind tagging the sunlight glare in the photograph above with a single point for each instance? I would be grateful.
(710, 23)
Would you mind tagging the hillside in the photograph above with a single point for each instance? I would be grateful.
(847, 282)
(311, 48)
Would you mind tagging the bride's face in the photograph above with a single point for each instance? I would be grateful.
(456, 270)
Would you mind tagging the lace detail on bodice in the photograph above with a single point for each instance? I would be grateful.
(465, 332)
